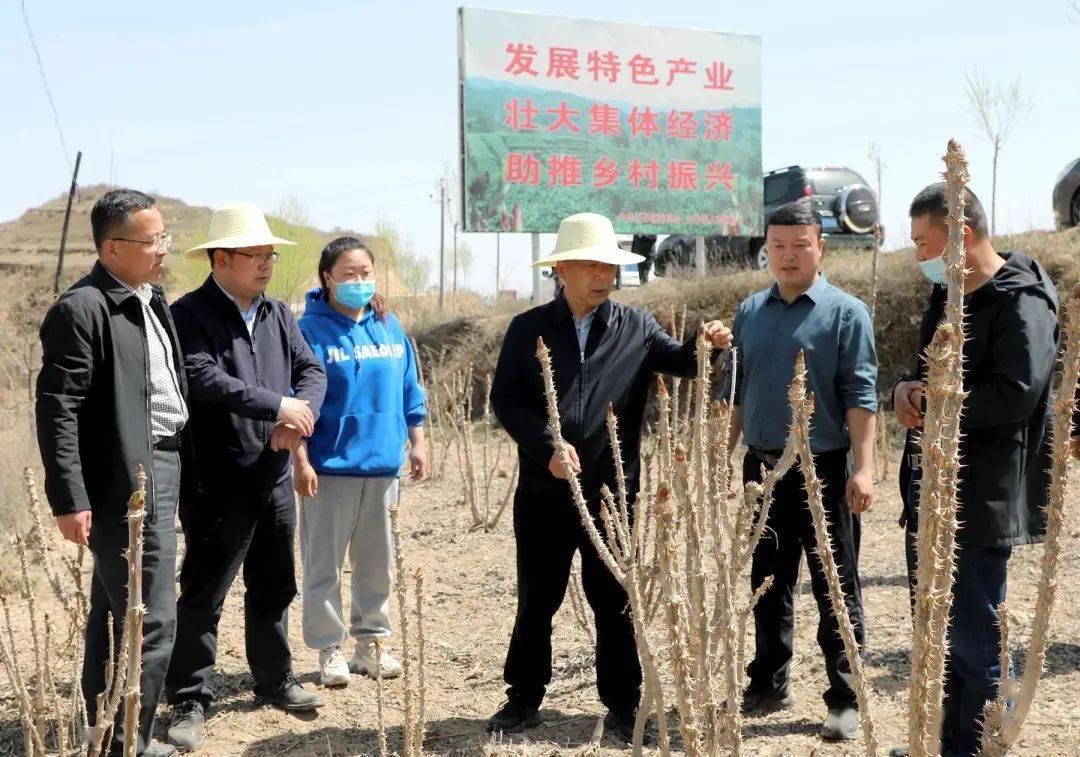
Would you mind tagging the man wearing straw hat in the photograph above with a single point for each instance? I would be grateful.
(603, 354)
(111, 397)
(255, 390)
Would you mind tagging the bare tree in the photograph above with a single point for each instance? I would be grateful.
(996, 109)
(464, 261)
(413, 269)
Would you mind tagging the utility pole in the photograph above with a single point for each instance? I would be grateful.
(442, 243)
(496, 266)
(67, 219)
(535, 271)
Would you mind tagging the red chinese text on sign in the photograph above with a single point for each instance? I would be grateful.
(605, 172)
(718, 76)
(522, 168)
(718, 127)
(563, 63)
(642, 70)
(680, 66)
(603, 65)
(605, 120)
(564, 170)
(563, 115)
(521, 115)
(717, 174)
(682, 174)
(681, 124)
(644, 175)
(643, 123)
(523, 56)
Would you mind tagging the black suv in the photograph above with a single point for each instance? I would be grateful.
(847, 205)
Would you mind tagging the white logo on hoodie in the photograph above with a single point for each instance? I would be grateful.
(365, 352)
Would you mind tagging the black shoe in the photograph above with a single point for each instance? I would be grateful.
(157, 749)
(512, 717)
(620, 724)
(290, 696)
(898, 751)
(186, 726)
(755, 704)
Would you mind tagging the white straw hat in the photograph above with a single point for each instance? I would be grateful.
(587, 236)
(236, 225)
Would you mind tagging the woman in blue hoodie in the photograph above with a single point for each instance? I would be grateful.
(347, 471)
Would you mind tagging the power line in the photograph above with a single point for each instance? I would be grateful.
(45, 82)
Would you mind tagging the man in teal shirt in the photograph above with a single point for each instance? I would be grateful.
(803, 311)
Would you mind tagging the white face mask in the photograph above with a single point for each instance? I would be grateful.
(934, 269)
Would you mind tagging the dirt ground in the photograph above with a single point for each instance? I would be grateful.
(470, 601)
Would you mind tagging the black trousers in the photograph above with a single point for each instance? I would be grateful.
(108, 594)
(789, 532)
(548, 532)
(221, 537)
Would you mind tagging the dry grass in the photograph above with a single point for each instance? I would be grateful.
(900, 304)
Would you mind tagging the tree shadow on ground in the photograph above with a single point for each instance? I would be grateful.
(1062, 658)
(447, 736)
(802, 727)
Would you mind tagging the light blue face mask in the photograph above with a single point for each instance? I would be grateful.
(354, 294)
(934, 269)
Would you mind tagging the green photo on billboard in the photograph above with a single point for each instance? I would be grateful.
(658, 129)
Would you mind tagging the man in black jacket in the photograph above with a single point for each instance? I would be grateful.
(1011, 324)
(603, 354)
(256, 389)
(111, 397)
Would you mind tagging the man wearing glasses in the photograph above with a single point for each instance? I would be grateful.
(255, 390)
(111, 397)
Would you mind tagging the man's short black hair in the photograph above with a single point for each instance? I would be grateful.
(114, 210)
(797, 213)
(933, 201)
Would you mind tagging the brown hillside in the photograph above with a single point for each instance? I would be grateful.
(37, 231)
(33, 239)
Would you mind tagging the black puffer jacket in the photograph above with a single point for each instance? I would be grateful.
(1009, 357)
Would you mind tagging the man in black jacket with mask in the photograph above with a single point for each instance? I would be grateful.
(603, 353)
(1011, 324)
(256, 389)
(111, 397)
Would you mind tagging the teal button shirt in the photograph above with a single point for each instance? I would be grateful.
(833, 328)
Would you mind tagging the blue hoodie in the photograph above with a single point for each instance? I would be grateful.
(372, 393)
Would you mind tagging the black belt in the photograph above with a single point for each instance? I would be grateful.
(768, 456)
(168, 443)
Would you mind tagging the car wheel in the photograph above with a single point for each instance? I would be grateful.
(757, 255)
(1075, 212)
(856, 208)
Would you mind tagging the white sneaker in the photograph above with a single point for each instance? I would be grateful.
(333, 670)
(364, 662)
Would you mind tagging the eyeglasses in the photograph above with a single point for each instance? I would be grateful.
(266, 257)
(161, 244)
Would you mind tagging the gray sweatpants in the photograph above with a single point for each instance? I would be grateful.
(348, 513)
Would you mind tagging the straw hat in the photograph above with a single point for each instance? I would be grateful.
(236, 225)
(587, 236)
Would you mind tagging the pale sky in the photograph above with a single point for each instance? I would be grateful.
(351, 106)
